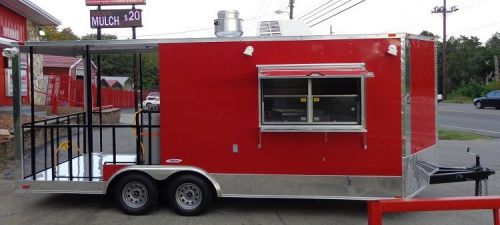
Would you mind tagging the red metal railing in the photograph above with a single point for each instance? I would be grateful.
(378, 207)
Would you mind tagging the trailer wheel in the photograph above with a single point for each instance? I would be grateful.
(189, 195)
(135, 194)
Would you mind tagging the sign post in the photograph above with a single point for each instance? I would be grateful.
(118, 18)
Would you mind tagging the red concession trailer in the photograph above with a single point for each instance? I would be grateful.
(317, 117)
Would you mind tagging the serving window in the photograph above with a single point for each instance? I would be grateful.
(317, 99)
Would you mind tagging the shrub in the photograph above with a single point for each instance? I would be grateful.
(495, 85)
(469, 89)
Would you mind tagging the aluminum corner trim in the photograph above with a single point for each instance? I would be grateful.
(405, 97)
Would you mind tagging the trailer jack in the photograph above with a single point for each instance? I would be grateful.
(476, 173)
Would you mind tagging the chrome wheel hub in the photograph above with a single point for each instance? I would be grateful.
(188, 196)
(135, 194)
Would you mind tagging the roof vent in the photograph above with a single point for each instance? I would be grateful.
(228, 24)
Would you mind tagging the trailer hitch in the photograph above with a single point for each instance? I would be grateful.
(477, 173)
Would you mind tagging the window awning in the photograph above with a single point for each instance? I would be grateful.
(331, 70)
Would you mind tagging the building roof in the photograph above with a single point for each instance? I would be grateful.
(111, 80)
(114, 83)
(31, 11)
(59, 61)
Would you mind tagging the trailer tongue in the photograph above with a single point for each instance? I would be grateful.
(317, 117)
(477, 173)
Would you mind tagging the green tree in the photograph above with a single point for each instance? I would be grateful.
(121, 64)
(492, 50)
(103, 37)
(53, 34)
(466, 57)
(470, 62)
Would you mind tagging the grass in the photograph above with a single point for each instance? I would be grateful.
(459, 99)
(457, 135)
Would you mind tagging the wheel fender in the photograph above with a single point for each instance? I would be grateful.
(159, 173)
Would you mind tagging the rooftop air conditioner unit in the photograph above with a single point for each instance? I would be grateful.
(283, 28)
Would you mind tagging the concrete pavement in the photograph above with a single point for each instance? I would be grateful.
(54, 209)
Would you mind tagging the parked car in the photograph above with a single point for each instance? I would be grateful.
(491, 99)
(151, 101)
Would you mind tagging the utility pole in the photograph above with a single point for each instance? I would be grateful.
(444, 10)
(497, 69)
(291, 8)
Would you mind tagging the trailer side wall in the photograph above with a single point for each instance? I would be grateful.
(210, 110)
(423, 95)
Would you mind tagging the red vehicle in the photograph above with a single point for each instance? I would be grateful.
(319, 117)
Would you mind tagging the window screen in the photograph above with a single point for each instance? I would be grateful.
(311, 101)
(336, 100)
(285, 100)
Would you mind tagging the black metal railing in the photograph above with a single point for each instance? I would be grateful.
(53, 135)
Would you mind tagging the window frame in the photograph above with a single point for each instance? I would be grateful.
(311, 126)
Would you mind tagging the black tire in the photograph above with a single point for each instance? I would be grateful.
(189, 195)
(135, 194)
(478, 105)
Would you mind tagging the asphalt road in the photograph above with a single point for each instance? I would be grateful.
(465, 117)
(54, 209)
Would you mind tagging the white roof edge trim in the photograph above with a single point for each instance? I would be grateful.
(41, 12)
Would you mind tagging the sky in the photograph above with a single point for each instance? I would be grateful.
(194, 18)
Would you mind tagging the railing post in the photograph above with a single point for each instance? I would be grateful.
(70, 152)
(52, 160)
(88, 94)
(496, 216)
(150, 137)
(45, 143)
(32, 104)
(138, 140)
(374, 213)
(113, 139)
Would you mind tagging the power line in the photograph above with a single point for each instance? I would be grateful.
(259, 9)
(195, 30)
(178, 32)
(316, 13)
(476, 28)
(329, 11)
(337, 13)
(306, 11)
(255, 24)
(473, 4)
(282, 6)
(315, 9)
